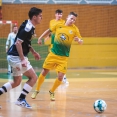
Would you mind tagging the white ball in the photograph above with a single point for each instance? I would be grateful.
(100, 106)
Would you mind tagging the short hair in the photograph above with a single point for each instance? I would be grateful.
(34, 12)
(72, 13)
(58, 11)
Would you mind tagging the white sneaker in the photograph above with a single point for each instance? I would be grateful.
(23, 103)
(65, 80)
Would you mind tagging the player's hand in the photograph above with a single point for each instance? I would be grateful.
(24, 63)
(80, 41)
(37, 56)
(39, 42)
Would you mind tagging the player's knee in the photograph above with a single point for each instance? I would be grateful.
(60, 78)
(44, 72)
(34, 79)
(15, 84)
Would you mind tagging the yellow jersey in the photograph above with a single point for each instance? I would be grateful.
(64, 36)
(53, 23)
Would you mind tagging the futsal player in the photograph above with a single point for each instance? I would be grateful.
(17, 57)
(58, 19)
(58, 57)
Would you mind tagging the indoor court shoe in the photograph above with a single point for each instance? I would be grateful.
(65, 81)
(33, 96)
(23, 103)
(52, 98)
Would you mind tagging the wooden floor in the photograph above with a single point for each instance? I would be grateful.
(73, 100)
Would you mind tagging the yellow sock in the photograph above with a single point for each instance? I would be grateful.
(56, 84)
(40, 80)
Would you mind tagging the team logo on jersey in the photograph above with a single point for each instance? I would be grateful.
(63, 36)
(70, 31)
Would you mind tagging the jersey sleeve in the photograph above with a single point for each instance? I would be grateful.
(22, 34)
(77, 32)
(8, 39)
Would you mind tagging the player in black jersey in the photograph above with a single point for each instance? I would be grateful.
(17, 57)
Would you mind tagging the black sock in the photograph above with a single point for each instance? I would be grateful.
(22, 96)
(26, 89)
(1, 92)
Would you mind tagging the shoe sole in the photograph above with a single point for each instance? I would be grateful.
(22, 106)
(52, 99)
(33, 98)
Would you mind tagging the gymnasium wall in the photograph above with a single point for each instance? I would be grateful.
(100, 52)
(93, 20)
(97, 25)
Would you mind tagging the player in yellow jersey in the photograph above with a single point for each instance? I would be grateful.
(57, 58)
(58, 19)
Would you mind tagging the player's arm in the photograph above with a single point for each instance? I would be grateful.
(48, 37)
(20, 38)
(7, 42)
(34, 53)
(78, 37)
(45, 34)
(18, 44)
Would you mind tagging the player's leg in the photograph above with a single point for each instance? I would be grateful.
(9, 85)
(40, 81)
(56, 84)
(61, 66)
(21, 101)
(48, 64)
(16, 78)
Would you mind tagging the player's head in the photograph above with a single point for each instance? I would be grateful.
(35, 15)
(71, 18)
(15, 29)
(58, 14)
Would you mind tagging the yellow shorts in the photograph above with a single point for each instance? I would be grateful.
(59, 63)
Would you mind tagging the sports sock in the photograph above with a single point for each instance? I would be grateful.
(5, 88)
(26, 89)
(56, 84)
(39, 82)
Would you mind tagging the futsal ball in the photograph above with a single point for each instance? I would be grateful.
(100, 106)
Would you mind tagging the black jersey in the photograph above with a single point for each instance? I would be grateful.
(24, 34)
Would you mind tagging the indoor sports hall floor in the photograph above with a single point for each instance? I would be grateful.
(73, 100)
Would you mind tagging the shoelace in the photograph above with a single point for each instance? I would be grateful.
(26, 102)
